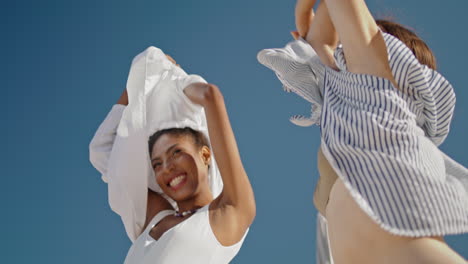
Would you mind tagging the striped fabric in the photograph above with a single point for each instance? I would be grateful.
(299, 69)
(382, 143)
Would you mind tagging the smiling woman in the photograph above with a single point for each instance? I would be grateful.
(180, 159)
(176, 205)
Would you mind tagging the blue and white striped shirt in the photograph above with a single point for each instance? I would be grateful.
(381, 140)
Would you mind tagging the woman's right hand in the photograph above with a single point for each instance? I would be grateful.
(202, 93)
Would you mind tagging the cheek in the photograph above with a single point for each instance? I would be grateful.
(194, 166)
(159, 180)
(201, 169)
(188, 162)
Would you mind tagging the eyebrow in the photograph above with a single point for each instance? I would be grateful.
(167, 151)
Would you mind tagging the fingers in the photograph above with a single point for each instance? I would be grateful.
(171, 59)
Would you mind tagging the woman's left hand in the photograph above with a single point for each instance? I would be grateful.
(201, 93)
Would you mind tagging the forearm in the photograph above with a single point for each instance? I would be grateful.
(304, 15)
(322, 36)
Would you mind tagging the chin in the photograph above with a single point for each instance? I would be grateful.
(181, 195)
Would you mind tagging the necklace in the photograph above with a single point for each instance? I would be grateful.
(184, 213)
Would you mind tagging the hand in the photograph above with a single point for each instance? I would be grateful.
(304, 15)
(172, 60)
(201, 93)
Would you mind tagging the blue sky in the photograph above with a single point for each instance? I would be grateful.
(66, 62)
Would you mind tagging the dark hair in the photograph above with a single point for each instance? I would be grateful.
(419, 48)
(198, 138)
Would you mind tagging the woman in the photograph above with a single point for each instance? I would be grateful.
(209, 225)
(384, 112)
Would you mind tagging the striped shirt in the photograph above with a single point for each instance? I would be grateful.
(382, 141)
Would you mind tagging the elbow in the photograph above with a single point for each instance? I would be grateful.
(250, 208)
(248, 212)
(252, 212)
(246, 201)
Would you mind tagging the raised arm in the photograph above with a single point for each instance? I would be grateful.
(322, 36)
(100, 147)
(100, 150)
(364, 48)
(304, 16)
(234, 209)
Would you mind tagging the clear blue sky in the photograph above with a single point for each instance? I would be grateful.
(66, 62)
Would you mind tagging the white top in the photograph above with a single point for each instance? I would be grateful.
(193, 236)
(190, 241)
(156, 101)
(381, 140)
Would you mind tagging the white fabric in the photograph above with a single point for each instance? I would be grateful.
(190, 241)
(101, 145)
(156, 101)
(300, 70)
(323, 251)
(144, 248)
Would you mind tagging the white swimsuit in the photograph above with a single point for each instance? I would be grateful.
(190, 241)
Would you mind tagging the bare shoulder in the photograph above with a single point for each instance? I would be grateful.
(156, 204)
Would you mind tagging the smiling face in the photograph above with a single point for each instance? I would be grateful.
(180, 166)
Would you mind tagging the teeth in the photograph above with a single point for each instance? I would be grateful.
(176, 180)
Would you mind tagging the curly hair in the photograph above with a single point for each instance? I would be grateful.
(198, 138)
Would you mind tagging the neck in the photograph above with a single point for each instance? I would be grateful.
(196, 202)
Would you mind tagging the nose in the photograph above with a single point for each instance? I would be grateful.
(168, 166)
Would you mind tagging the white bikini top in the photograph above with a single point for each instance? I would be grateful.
(190, 241)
